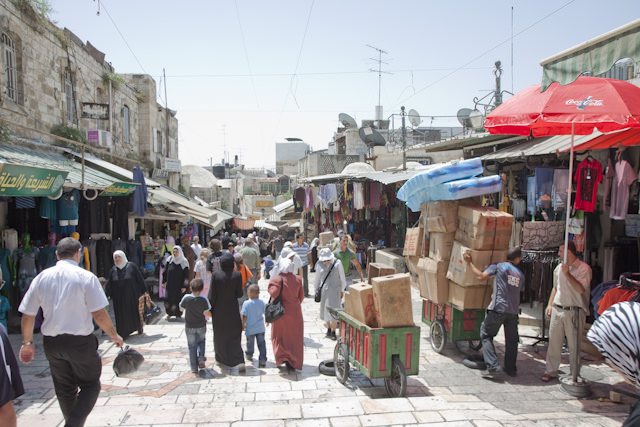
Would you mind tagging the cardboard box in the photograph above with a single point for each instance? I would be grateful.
(483, 228)
(375, 269)
(392, 300)
(440, 245)
(460, 272)
(348, 305)
(440, 216)
(433, 280)
(412, 265)
(362, 307)
(469, 297)
(414, 242)
(326, 238)
(391, 258)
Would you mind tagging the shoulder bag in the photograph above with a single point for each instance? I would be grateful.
(274, 309)
(318, 296)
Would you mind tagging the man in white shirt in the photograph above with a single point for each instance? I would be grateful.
(196, 246)
(71, 298)
(568, 308)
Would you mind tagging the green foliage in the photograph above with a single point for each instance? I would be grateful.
(140, 97)
(69, 132)
(5, 132)
(115, 79)
(62, 38)
(182, 189)
(42, 8)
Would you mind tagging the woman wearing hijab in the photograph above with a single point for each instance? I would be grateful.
(176, 282)
(226, 288)
(330, 277)
(616, 334)
(287, 332)
(124, 286)
(315, 247)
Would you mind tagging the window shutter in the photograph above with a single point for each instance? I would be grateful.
(155, 140)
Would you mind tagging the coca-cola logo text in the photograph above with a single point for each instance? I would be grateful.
(583, 103)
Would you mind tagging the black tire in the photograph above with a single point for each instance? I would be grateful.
(326, 367)
(341, 362)
(438, 336)
(396, 383)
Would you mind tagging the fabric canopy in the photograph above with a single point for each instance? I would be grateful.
(623, 138)
(596, 56)
(243, 224)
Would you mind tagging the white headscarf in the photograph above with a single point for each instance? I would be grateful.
(285, 263)
(180, 259)
(123, 262)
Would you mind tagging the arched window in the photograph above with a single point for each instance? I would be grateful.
(125, 124)
(10, 68)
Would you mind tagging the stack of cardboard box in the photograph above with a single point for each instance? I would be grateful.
(486, 233)
(451, 228)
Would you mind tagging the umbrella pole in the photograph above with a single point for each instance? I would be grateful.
(574, 387)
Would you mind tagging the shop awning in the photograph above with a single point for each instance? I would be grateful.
(539, 147)
(261, 223)
(596, 56)
(385, 178)
(23, 180)
(243, 224)
(625, 138)
(181, 204)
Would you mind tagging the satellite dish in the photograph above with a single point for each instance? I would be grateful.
(463, 117)
(371, 137)
(347, 121)
(414, 118)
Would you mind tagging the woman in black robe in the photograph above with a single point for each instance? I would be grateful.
(225, 289)
(124, 286)
(176, 281)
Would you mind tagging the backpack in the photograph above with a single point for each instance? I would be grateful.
(213, 263)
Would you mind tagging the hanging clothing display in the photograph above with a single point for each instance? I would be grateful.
(588, 176)
(544, 187)
(610, 172)
(374, 198)
(559, 190)
(298, 199)
(531, 195)
(519, 207)
(624, 177)
(358, 195)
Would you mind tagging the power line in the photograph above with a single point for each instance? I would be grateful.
(121, 35)
(487, 51)
(246, 55)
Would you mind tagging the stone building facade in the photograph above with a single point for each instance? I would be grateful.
(53, 79)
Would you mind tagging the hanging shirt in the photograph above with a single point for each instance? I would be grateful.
(588, 176)
(531, 195)
(623, 178)
(608, 183)
(374, 197)
(358, 195)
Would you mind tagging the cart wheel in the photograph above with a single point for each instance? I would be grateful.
(396, 383)
(438, 336)
(465, 346)
(341, 362)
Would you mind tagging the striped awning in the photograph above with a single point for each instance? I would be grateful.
(596, 56)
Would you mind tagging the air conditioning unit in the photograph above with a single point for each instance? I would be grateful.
(99, 138)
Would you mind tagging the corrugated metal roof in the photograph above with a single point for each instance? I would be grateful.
(539, 146)
(284, 205)
(45, 157)
(179, 203)
(384, 177)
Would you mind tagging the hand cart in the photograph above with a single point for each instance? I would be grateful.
(389, 353)
(450, 323)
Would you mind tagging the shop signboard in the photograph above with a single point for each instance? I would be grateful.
(119, 188)
(264, 203)
(171, 165)
(92, 110)
(23, 180)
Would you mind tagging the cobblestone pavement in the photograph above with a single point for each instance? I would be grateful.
(163, 392)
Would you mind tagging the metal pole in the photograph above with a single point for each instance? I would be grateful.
(566, 225)
(404, 140)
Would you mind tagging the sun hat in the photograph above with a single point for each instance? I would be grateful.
(287, 244)
(325, 255)
(287, 252)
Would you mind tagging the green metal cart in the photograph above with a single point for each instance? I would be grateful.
(447, 322)
(389, 353)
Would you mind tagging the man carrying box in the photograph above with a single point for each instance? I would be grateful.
(503, 310)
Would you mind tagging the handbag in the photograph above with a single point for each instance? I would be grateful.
(318, 296)
(127, 361)
(151, 310)
(274, 309)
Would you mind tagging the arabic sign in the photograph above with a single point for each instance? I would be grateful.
(91, 110)
(264, 203)
(119, 188)
(22, 180)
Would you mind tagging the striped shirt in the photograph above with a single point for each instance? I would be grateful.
(302, 251)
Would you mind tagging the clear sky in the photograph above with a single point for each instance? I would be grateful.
(245, 74)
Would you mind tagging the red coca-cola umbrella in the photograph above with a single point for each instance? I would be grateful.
(578, 108)
(575, 109)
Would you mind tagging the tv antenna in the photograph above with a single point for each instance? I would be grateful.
(379, 70)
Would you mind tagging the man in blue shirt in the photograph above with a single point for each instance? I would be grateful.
(503, 310)
(302, 249)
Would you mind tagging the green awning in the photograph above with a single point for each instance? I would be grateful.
(596, 56)
(24, 180)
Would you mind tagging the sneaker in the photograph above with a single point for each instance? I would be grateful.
(262, 364)
(194, 371)
(490, 373)
(333, 335)
(242, 367)
(201, 365)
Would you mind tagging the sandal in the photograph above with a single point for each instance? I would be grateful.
(546, 378)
